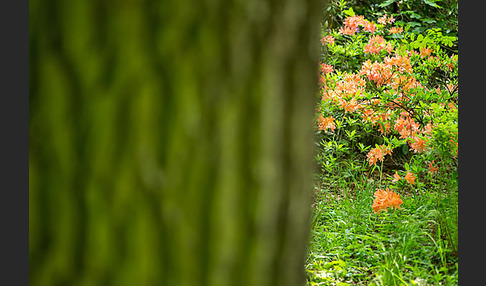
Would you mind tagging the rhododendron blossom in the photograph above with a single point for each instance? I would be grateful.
(396, 178)
(375, 45)
(325, 68)
(346, 87)
(347, 31)
(326, 122)
(352, 24)
(401, 62)
(410, 177)
(433, 169)
(349, 106)
(395, 30)
(327, 39)
(425, 51)
(406, 127)
(369, 26)
(385, 199)
(354, 21)
(418, 144)
(386, 20)
(381, 73)
(378, 154)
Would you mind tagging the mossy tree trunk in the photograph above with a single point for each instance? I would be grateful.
(171, 141)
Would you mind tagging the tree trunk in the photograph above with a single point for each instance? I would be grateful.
(171, 141)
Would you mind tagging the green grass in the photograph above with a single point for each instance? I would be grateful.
(351, 245)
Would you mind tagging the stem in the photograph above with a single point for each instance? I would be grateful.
(381, 168)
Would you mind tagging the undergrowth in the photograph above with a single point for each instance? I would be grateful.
(385, 210)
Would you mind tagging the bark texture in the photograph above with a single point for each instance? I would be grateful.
(171, 141)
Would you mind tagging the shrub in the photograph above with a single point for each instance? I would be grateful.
(387, 92)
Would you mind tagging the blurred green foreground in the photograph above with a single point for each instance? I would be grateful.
(171, 141)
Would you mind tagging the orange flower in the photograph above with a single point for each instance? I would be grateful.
(417, 144)
(378, 153)
(395, 30)
(451, 106)
(387, 126)
(327, 39)
(346, 87)
(325, 123)
(346, 31)
(425, 51)
(433, 169)
(410, 177)
(349, 106)
(379, 72)
(451, 87)
(402, 62)
(384, 20)
(396, 178)
(369, 26)
(325, 68)
(386, 199)
(354, 21)
(406, 126)
(375, 45)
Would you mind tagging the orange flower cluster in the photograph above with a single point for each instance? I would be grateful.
(395, 30)
(450, 66)
(433, 169)
(386, 20)
(386, 199)
(369, 26)
(396, 178)
(405, 82)
(352, 23)
(410, 177)
(401, 62)
(376, 44)
(326, 122)
(346, 31)
(378, 154)
(395, 74)
(380, 118)
(425, 51)
(349, 106)
(327, 39)
(351, 84)
(418, 144)
(381, 73)
(325, 68)
(406, 126)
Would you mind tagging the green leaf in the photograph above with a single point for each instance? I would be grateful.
(386, 3)
(431, 3)
(415, 16)
(349, 12)
(429, 21)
